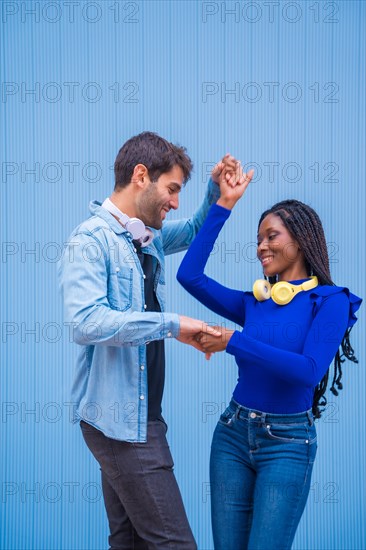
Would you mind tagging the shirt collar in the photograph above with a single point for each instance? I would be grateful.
(96, 209)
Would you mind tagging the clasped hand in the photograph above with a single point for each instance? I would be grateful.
(209, 344)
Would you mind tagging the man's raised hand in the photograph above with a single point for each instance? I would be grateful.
(227, 162)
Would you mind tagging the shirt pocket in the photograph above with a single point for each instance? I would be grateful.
(119, 292)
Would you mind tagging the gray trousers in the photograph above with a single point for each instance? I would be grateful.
(142, 499)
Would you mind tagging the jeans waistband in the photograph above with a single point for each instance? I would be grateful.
(253, 414)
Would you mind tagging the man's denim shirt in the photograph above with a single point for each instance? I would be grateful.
(103, 291)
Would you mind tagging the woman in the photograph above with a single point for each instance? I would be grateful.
(264, 444)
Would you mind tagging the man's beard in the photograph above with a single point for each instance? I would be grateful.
(150, 208)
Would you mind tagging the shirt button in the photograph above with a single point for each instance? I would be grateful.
(134, 250)
(144, 276)
(142, 397)
(117, 269)
(306, 441)
(142, 367)
(253, 415)
(145, 306)
(169, 334)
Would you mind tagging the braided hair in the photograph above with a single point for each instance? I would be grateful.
(305, 226)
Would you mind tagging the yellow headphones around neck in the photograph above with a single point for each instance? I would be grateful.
(281, 293)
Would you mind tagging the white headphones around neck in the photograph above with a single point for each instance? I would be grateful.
(136, 227)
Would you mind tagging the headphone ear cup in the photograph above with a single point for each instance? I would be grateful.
(136, 227)
(261, 290)
(147, 237)
(282, 293)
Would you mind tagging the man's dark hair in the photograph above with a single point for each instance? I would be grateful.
(156, 153)
(305, 226)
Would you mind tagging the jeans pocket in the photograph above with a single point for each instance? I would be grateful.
(101, 448)
(227, 417)
(155, 453)
(303, 434)
(165, 458)
(163, 423)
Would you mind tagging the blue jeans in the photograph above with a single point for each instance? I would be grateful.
(260, 470)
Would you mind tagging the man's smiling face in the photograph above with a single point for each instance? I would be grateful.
(159, 197)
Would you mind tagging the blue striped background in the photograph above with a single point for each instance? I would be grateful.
(281, 85)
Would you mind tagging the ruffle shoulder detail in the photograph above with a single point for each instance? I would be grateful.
(323, 291)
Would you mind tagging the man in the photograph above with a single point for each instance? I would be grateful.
(112, 280)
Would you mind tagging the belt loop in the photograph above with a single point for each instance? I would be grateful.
(237, 412)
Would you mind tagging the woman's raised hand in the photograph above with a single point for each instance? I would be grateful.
(233, 184)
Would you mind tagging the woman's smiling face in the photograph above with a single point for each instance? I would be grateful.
(278, 251)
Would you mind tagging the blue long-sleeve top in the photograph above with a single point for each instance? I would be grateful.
(282, 352)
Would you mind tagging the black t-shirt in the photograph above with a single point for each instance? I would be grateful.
(155, 353)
